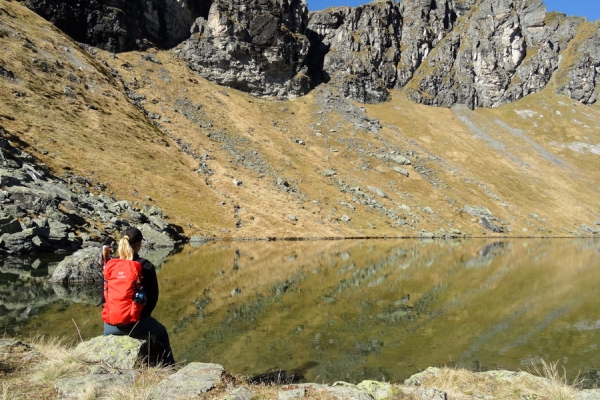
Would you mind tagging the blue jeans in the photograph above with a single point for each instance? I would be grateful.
(140, 330)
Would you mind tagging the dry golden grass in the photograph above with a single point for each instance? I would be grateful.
(543, 382)
(35, 381)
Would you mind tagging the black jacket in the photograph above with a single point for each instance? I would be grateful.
(150, 285)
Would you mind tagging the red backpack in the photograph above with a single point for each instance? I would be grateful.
(122, 282)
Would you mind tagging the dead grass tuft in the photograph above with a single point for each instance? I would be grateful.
(557, 386)
(543, 381)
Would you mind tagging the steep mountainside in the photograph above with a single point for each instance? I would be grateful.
(144, 127)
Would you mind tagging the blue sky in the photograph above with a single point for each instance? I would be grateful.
(581, 8)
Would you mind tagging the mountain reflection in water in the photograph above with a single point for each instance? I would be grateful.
(354, 309)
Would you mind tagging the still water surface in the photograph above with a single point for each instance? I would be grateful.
(352, 310)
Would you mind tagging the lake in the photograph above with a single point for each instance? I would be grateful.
(351, 309)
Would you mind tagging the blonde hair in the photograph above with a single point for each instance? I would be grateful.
(125, 251)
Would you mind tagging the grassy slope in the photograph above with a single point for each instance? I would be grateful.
(514, 164)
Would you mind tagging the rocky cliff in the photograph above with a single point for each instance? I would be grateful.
(255, 46)
(480, 53)
(122, 25)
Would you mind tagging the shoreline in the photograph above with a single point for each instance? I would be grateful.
(110, 366)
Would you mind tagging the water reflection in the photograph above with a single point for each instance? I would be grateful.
(353, 310)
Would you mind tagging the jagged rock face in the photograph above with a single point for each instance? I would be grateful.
(378, 46)
(480, 53)
(362, 46)
(584, 74)
(122, 25)
(505, 52)
(426, 23)
(257, 46)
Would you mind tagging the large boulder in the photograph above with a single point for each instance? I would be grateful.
(27, 241)
(189, 382)
(82, 266)
(154, 238)
(121, 352)
(32, 200)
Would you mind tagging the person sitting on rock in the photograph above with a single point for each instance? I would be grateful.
(143, 325)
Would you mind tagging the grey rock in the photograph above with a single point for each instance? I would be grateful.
(33, 200)
(377, 191)
(583, 73)
(199, 240)
(345, 218)
(417, 379)
(588, 394)
(292, 218)
(9, 225)
(360, 48)
(328, 172)
(20, 242)
(424, 394)
(135, 217)
(379, 390)
(240, 393)
(189, 382)
(82, 266)
(10, 177)
(157, 221)
(77, 388)
(478, 211)
(121, 352)
(154, 210)
(347, 391)
(589, 230)
(154, 238)
(254, 46)
(59, 232)
(122, 25)
(119, 206)
(55, 215)
(282, 182)
(489, 225)
(400, 171)
(14, 210)
(288, 394)
(6, 73)
(399, 159)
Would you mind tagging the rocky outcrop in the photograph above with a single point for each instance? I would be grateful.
(83, 266)
(122, 25)
(503, 52)
(478, 53)
(583, 75)
(41, 212)
(363, 48)
(257, 46)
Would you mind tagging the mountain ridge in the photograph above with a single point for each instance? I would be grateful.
(480, 53)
